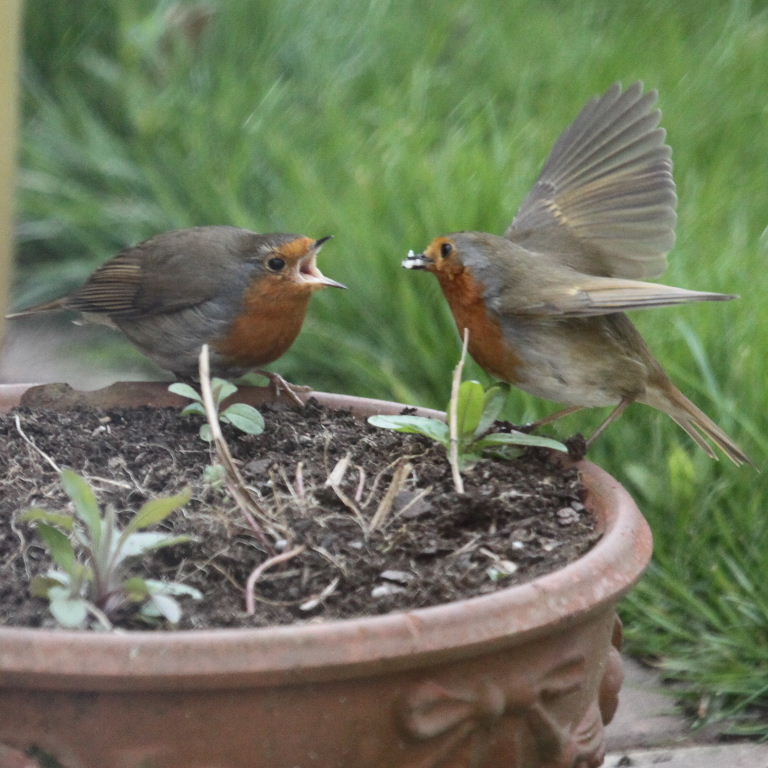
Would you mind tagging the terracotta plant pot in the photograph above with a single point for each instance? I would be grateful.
(524, 677)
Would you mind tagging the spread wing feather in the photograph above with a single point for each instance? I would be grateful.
(604, 203)
(603, 296)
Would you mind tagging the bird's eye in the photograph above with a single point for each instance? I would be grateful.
(446, 249)
(276, 264)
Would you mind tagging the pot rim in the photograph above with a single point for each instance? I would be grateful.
(169, 659)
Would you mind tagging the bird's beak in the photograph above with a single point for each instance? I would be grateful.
(417, 261)
(321, 242)
(308, 271)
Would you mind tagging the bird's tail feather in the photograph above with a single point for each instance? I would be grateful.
(47, 306)
(702, 430)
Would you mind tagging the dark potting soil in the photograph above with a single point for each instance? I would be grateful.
(380, 531)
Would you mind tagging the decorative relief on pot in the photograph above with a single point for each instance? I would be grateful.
(461, 721)
(613, 677)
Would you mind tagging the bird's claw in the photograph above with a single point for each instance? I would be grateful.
(280, 384)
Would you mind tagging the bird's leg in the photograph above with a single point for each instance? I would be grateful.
(612, 416)
(279, 383)
(554, 417)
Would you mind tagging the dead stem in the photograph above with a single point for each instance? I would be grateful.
(288, 485)
(380, 474)
(118, 483)
(360, 484)
(422, 494)
(313, 602)
(350, 505)
(336, 475)
(220, 569)
(100, 616)
(399, 479)
(468, 547)
(299, 482)
(334, 480)
(119, 461)
(250, 508)
(20, 552)
(256, 573)
(31, 443)
(335, 562)
(453, 453)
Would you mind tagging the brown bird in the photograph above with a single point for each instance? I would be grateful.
(544, 305)
(242, 293)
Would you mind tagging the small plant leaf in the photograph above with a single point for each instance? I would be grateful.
(68, 611)
(135, 589)
(254, 380)
(84, 499)
(469, 409)
(184, 390)
(162, 600)
(41, 585)
(156, 510)
(214, 474)
(468, 460)
(175, 588)
(420, 425)
(163, 605)
(206, 433)
(222, 389)
(519, 438)
(59, 519)
(59, 546)
(193, 408)
(494, 399)
(140, 543)
(245, 417)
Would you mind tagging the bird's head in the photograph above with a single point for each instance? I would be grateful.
(289, 261)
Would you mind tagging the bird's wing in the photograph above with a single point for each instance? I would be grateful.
(147, 280)
(603, 296)
(111, 289)
(605, 201)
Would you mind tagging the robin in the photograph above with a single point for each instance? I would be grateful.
(242, 293)
(544, 305)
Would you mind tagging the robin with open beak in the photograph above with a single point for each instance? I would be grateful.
(242, 293)
(544, 305)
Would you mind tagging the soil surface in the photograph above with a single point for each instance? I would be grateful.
(374, 513)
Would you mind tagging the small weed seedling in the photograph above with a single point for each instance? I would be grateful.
(240, 415)
(472, 411)
(91, 553)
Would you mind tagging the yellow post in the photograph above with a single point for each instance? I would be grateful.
(10, 19)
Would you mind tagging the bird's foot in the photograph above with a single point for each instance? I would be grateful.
(624, 403)
(279, 384)
(534, 425)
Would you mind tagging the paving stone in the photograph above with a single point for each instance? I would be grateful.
(722, 756)
(647, 716)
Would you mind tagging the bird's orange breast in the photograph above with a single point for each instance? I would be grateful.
(487, 343)
(269, 323)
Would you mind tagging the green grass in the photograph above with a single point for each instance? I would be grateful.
(388, 122)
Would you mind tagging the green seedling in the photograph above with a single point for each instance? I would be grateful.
(240, 415)
(476, 410)
(472, 410)
(91, 553)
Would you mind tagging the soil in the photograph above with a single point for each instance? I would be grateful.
(388, 532)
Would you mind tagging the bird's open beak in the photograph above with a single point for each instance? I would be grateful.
(308, 271)
(321, 242)
(417, 261)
